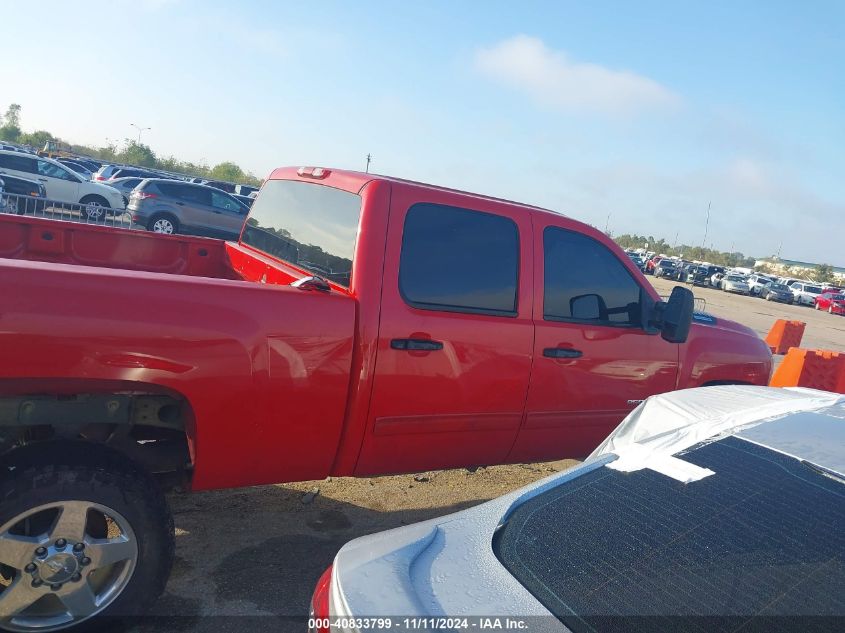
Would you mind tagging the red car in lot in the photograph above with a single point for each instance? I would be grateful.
(833, 302)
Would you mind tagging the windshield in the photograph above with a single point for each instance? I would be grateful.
(735, 278)
(780, 287)
(311, 226)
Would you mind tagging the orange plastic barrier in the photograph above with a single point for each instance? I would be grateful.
(814, 368)
(785, 334)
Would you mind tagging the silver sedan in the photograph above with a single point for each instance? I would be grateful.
(735, 283)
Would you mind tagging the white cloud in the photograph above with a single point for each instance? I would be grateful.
(555, 81)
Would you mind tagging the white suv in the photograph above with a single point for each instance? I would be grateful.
(805, 294)
(62, 184)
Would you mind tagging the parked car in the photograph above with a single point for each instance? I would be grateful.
(245, 190)
(105, 172)
(665, 268)
(698, 276)
(79, 168)
(62, 184)
(677, 519)
(22, 195)
(228, 187)
(716, 280)
(362, 325)
(805, 294)
(833, 303)
(171, 206)
(777, 292)
(736, 284)
(125, 186)
(757, 283)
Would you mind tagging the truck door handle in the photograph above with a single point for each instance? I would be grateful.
(416, 344)
(562, 352)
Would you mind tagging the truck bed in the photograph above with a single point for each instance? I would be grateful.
(63, 242)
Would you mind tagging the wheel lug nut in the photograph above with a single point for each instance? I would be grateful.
(60, 543)
(37, 582)
(56, 586)
(76, 577)
(29, 568)
(41, 551)
(85, 560)
(79, 547)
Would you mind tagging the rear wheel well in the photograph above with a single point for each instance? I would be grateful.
(151, 430)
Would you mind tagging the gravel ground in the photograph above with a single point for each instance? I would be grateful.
(248, 559)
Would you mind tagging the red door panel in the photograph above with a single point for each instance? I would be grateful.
(587, 374)
(461, 404)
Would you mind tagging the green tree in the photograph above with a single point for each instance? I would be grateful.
(13, 116)
(228, 171)
(824, 273)
(135, 153)
(11, 128)
(37, 139)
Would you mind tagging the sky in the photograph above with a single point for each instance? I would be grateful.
(630, 116)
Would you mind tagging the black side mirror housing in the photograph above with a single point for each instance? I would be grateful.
(674, 317)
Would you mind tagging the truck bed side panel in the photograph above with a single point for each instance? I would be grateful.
(41, 239)
(265, 369)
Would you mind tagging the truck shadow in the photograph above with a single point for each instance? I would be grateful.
(249, 559)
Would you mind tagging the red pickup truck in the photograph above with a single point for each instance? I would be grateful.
(362, 325)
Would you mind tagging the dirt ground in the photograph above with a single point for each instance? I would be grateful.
(258, 552)
(249, 559)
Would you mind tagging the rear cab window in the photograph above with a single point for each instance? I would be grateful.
(313, 227)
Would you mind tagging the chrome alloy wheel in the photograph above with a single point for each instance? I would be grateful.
(62, 563)
(163, 225)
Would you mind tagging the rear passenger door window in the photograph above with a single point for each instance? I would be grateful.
(195, 195)
(458, 260)
(585, 282)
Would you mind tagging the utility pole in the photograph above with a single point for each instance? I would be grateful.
(141, 130)
(675, 241)
(706, 225)
(779, 247)
(607, 223)
(369, 158)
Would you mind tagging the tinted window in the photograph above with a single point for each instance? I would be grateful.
(311, 226)
(54, 171)
(168, 188)
(195, 195)
(132, 182)
(17, 163)
(459, 260)
(577, 266)
(222, 201)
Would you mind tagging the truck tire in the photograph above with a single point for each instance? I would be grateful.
(94, 208)
(163, 223)
(81, 542)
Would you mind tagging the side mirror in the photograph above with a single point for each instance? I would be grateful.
(588, 308)
(675, 315)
